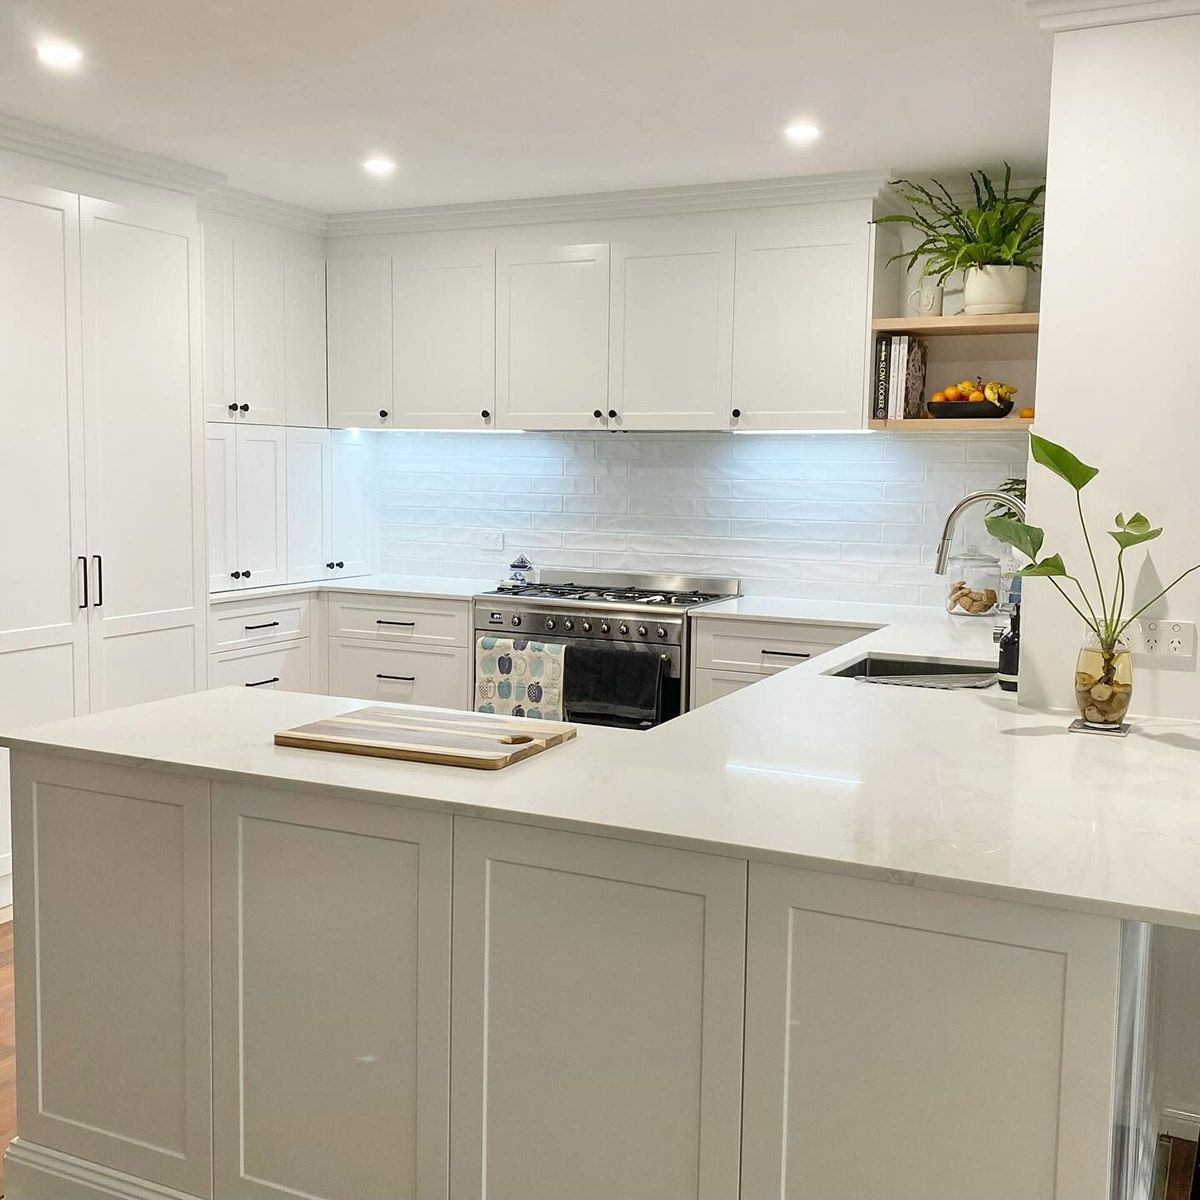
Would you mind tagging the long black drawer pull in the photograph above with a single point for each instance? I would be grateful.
(99, 601)
(410, 624)
(265, 625)
(264, 682)
(84, 572)
(399, 678)
(788, 653)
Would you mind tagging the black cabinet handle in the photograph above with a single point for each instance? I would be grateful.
(598, 415)
(410, 624)
(233, 408)
(83, 563)
(486, 415)
(264, 682)
(235, 574)
(383, 413)
(264, 625)
(786, 654)
(99, 561)
(339, 565)
(329, 566)
(612, 412)
(245, 574)
(399, 678)
(737, 412)
(244, 407)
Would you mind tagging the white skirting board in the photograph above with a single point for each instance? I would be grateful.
(33, 1172)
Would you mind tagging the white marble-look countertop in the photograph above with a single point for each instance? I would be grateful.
(431, 587)
(954, 790)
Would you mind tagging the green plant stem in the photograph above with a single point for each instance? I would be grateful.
(1091, 555)
(1118, 594)
(1084, 596)
(1160, 595)
(1058, 587)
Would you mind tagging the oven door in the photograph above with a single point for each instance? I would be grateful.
(672, 693)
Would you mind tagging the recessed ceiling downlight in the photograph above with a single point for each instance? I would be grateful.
(61, 56)
(801, 133)
(379, 167)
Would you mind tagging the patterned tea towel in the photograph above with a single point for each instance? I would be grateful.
(519, 678)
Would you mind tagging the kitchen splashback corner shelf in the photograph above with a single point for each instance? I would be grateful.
(959, 325)
(949, 424)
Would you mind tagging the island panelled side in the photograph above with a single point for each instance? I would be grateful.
(413, 1004)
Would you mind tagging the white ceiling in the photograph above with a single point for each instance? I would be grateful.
(499, 99)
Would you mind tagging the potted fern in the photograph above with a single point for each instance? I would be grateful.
(1104, 670)
(996, 242)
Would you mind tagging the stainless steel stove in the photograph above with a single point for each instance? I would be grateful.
(646, 613)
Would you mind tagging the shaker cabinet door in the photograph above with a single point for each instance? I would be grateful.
(359, 291)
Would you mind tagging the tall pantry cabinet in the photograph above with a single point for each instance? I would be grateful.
(101, 484)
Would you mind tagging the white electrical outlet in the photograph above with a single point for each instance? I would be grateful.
(1163, 641)
(491, 541)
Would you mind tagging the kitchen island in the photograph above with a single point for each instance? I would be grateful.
(729, 953)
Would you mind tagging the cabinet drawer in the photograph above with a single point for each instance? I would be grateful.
(284, 668)
(763, 646)
(251, 622)
(369, 670)
(712, 685)
(399, 619)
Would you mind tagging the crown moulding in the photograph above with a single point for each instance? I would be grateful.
(88, 154)
(234, 202)
(1059, 16)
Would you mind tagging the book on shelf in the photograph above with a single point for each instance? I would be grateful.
(900, 361)
(879, 402)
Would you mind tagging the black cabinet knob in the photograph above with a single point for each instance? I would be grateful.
(612, 412)
(340, 565)
(383, 413)
(737, 412)
(245, 574)
(244, 407)
(235, 574)
(233, 408)
(598, 415)
(330, 566)
(486, 415)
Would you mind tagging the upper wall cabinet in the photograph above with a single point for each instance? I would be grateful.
(800, 342)
(360, 341)
(443, 338)
(552, 337)
(264, 332)
(671, 333)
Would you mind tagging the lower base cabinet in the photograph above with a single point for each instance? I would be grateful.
(708, 686)
(285, 668)
(904, 1044)
(331, 994)
(596, 1018)
(370, 670)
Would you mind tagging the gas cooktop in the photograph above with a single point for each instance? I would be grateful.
(621, 589)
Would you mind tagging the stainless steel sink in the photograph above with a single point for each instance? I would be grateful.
(911, 672)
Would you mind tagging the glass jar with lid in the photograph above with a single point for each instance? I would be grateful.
(974, 579)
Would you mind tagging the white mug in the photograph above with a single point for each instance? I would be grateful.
(927, 300)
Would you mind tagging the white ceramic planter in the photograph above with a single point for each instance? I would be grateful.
(995, 290)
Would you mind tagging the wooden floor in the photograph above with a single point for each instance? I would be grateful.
(8, 1108)
(1174, 1163)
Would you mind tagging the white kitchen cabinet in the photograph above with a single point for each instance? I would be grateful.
(43, 547)
(353, 524)
(114, 863)
(239, 624)
(444, 338)
(331, 1037)
(708, 686)
(419, 620)
(981, 1028)
(402, 674)
(801, 334)
(141, 303)
(552, 337)
(220, 403)
(283, 667)
(671, 338)
(596, 1017)
(258, 329)
(304, 366)
(360, 341)
(309, 505)
(220, 464)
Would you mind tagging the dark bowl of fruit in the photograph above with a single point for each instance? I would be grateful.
(973, 400)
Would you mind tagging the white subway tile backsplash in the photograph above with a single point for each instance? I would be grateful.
(847, 517)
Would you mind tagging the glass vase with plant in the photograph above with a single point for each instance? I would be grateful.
(996, 241)
(1104, 671)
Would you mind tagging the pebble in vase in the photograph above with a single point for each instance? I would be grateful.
(995, 289)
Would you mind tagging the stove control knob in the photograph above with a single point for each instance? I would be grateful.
(568, 624)
(662, 633)
(516, 620)
(603, 626)
(586, 627)
(622, 629)
(641, 631)
(550, 622)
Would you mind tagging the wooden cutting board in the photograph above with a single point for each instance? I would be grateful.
(430, 735)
